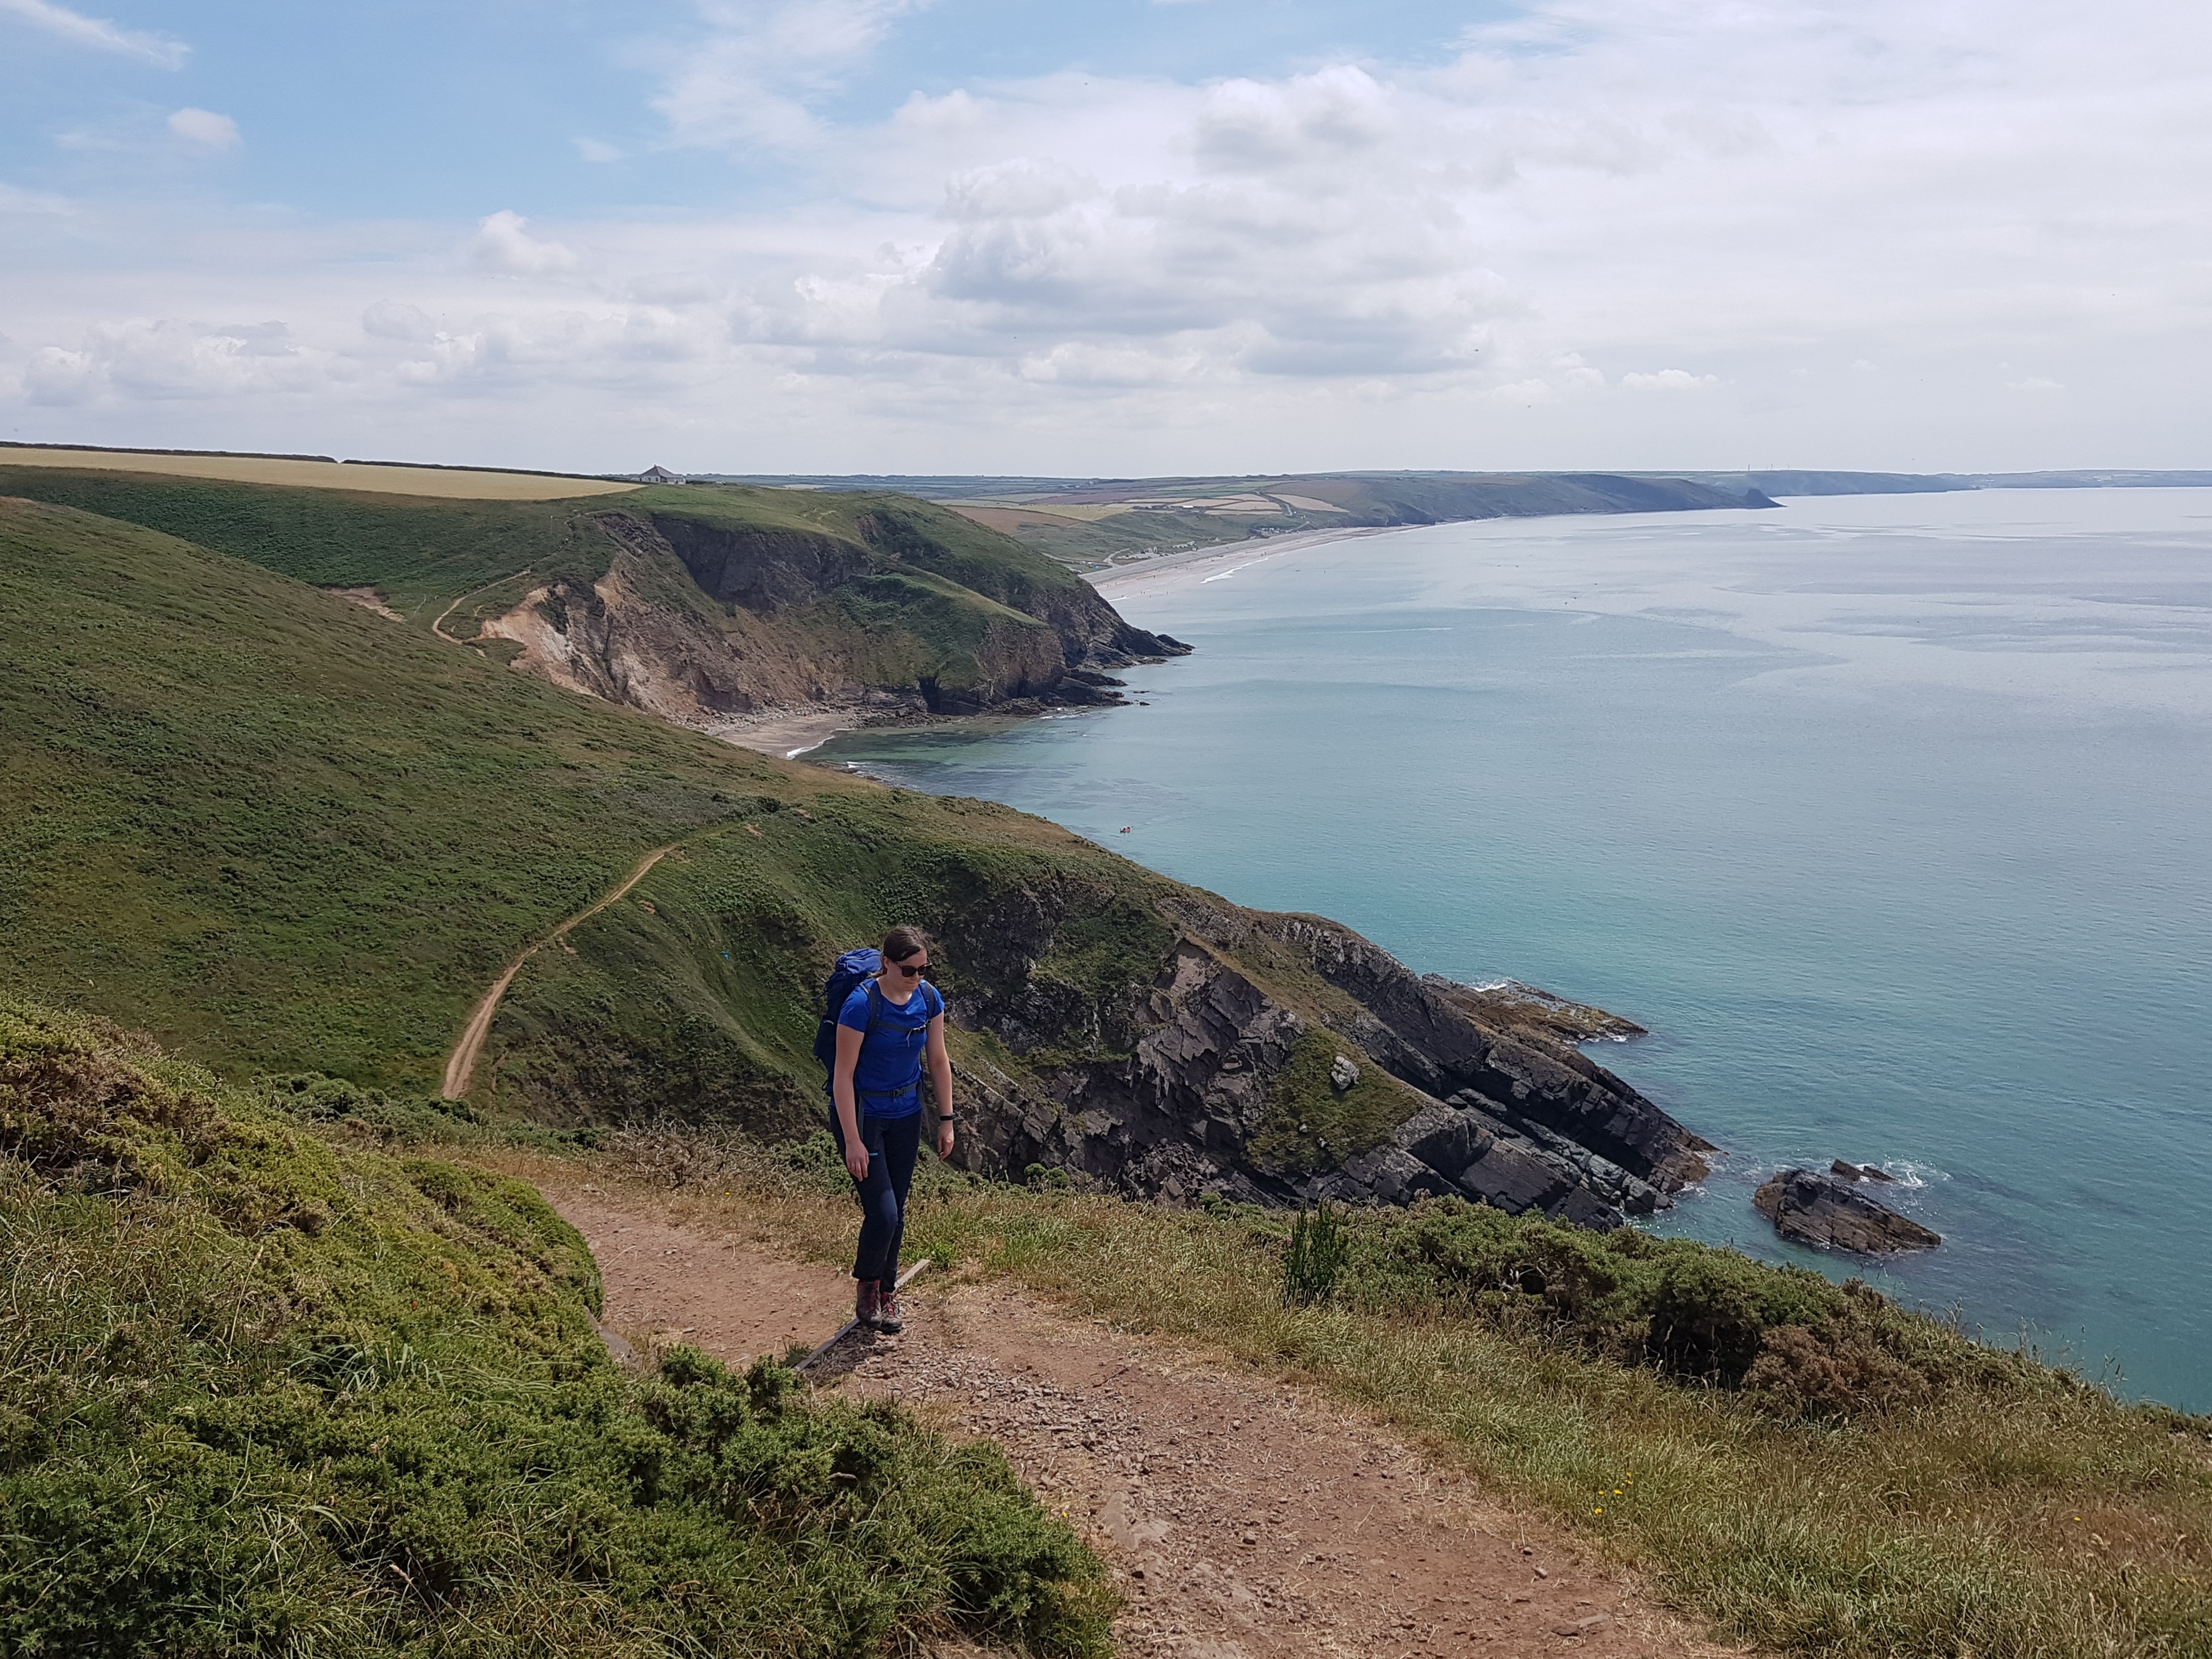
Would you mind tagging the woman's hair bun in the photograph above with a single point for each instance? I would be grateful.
(902, 942)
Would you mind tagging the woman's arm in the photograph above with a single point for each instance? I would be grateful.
(840, 1090)
(940, 1080)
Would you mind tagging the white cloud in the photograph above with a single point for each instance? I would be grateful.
(55, 377)
(1503, 260)
(1576, 372)
(753, 78)
(1525, 393)
(205, 128)
(169, 358)
(1670, 380)
(35, 204)
(394, 319)
(79, 30)
(503, 243)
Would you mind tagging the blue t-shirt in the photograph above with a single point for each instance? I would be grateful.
(887, 1078)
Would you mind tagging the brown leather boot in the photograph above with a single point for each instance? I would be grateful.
(864, 1303)
(887, 1314)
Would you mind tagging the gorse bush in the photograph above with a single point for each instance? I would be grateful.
(263, 1394)
(1803, 1345)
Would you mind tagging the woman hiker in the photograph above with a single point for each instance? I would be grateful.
(889, 1026)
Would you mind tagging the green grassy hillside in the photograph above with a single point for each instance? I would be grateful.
(419, 553)
(289, 836)
(786, 594)
(266, 1394)
(1159, 515)
(281, 830)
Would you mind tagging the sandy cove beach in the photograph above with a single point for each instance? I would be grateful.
(1206, 564)
(787, 733)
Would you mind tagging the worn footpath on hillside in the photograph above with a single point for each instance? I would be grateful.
(1243, 1519)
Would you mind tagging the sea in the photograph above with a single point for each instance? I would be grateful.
(1890, 816)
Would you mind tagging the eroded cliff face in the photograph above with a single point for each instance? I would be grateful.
(702, 625)
(605, 640)
(1182, 1086)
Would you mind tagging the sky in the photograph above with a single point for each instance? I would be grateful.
(1112, 237)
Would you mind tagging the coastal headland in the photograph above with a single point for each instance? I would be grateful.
(268, 850)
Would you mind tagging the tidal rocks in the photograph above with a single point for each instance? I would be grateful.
(1818, 1209)
(1861, 1172)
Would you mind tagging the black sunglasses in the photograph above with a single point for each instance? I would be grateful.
(911, 973)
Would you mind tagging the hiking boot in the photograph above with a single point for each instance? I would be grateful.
(864, 1304)
(887, 1318)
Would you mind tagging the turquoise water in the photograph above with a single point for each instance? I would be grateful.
(1887, 814)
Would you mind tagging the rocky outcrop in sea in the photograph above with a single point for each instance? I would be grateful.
(1834, 1213)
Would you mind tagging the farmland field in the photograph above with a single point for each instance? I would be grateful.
(450, 485)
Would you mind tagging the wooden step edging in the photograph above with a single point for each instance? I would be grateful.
(852, 1325)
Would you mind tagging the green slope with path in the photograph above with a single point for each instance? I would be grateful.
(280, 830)
(289, 835)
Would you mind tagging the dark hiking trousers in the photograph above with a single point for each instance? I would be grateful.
(892, 1144)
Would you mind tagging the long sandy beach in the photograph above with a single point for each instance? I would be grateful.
(1205, 564)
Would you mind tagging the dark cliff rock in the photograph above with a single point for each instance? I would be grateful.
(763, 569)
(1182, 1086)
(1818, 1209)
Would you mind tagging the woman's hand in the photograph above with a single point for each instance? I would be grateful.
(848, 1105)
(941, 1083)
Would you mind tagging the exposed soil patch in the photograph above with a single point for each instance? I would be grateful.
(368, 599)
(1243, 1520)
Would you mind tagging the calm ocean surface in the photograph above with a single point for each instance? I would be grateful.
(1891, 815)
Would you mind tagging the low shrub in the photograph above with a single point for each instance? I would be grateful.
(1804, 1346)
(259, 1392)
(379, 1115)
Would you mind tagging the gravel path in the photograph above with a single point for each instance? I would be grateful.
(1243, 1519)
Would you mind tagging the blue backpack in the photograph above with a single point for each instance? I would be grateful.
(852, 970)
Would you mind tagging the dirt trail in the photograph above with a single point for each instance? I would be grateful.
(462, 1062)
(1242, 1519)
(438, 624)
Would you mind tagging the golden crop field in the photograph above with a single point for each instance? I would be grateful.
(325, 475)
